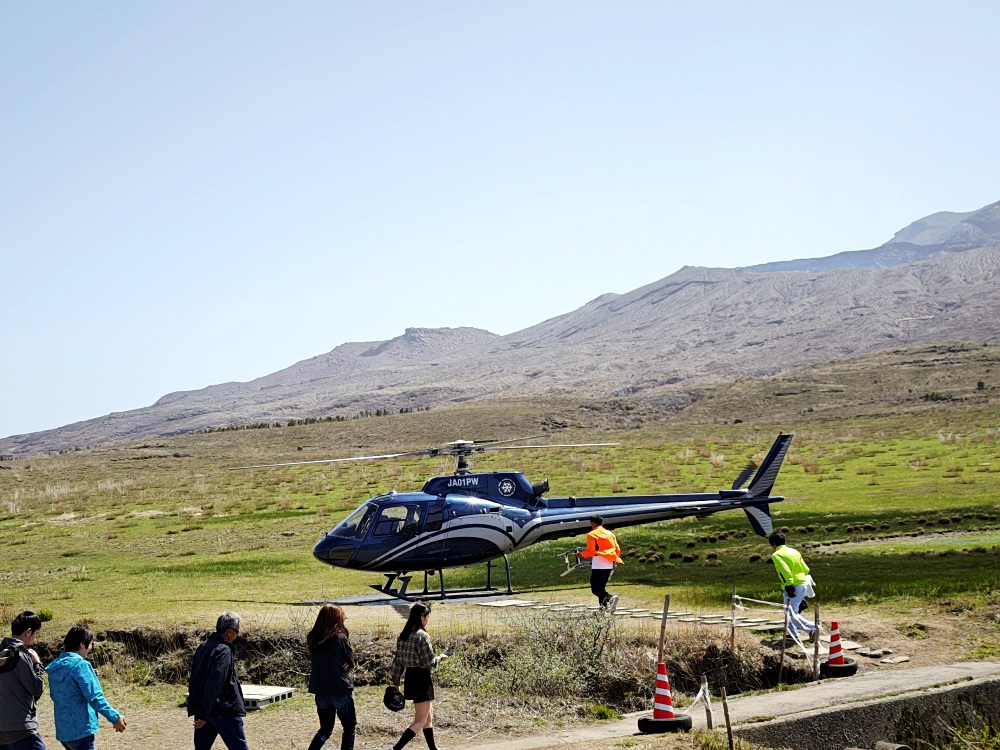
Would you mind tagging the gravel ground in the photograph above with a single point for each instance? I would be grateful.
(155, 719)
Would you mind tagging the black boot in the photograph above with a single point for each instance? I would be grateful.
(429, 736)
(407, 736)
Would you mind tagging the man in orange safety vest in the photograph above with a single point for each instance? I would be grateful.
(604, 552)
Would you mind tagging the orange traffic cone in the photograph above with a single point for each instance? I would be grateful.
(836, 664)
(663, 719)
(663, 704)
(836, 655)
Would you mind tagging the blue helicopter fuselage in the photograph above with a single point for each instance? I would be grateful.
(470, 518)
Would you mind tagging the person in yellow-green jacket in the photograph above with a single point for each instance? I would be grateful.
(604, 552)
(792, 572)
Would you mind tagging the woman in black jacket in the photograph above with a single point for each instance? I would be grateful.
(330, 680)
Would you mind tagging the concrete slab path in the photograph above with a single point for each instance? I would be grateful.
(744, 709)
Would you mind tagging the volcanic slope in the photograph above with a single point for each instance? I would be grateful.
(695, 326)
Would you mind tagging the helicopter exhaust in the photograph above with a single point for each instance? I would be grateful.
(540, 487)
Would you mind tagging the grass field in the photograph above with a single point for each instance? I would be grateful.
(163, 533)
(891, 496)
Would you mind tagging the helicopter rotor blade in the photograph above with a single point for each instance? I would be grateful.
(457, 448)
(429, 452)
(488, 443)
(567, 445)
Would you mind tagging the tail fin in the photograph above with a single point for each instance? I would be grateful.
(763, 480)
(760, 518)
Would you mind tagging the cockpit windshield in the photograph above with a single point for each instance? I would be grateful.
(355, 526)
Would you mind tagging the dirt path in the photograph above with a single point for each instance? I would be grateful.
(932, 636)
(291, 725)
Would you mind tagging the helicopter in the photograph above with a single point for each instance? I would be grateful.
(468, 518)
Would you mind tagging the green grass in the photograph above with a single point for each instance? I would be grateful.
(156, 533)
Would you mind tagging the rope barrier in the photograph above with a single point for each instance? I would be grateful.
(703, 695)
(756, 601)
(791, 631)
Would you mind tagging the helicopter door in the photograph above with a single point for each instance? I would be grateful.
(434, 546)
(484, 533)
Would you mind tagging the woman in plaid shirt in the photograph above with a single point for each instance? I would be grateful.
(415, 655)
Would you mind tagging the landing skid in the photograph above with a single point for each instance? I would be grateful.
(403, 580)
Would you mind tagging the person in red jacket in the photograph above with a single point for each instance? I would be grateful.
(604, 552)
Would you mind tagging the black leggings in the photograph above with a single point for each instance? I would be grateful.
(328, 717)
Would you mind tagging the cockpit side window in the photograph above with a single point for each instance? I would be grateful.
(398, 519)
(435, 517)
(356, 525)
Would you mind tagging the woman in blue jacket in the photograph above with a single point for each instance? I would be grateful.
(330, 681)
(76, 693)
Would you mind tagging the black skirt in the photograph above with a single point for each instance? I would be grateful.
(417, 685)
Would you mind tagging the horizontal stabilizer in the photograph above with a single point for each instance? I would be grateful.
(744, 476)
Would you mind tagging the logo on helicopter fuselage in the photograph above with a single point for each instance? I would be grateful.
(464, 482)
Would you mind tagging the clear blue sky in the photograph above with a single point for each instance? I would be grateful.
(200, 192)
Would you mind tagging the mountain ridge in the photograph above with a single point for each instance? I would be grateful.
(697, 325)
(934, 235)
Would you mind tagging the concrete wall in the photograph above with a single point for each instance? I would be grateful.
(914, 719)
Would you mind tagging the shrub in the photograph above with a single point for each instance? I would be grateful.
(576, 658)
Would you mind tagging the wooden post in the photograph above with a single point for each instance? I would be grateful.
(816, 646)
(663, 629)
(732, 624)
(709, 719)
(725, 711)
(784, 640)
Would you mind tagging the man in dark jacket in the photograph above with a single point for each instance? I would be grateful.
(215, 698)
(20, 685)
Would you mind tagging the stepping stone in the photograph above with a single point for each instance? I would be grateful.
(255, 696)
(845, 645)
(895, 660)
(874, 653)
